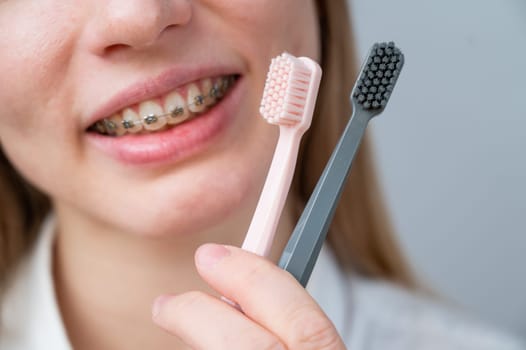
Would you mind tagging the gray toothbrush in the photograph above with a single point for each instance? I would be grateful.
(369, 97)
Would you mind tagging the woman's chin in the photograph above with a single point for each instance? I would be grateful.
(184, 215)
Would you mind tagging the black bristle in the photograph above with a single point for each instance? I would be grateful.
(378, 76)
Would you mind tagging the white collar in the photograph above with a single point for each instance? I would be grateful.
(329, 285)
(30, 317)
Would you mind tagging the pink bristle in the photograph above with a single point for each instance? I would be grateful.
(285, 90)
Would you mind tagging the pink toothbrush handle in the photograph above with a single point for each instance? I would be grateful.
(266, 217)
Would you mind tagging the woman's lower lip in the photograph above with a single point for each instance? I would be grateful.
(176, 143)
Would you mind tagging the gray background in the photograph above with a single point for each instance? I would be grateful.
(451, 145)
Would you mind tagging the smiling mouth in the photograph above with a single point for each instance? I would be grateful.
(165, 112)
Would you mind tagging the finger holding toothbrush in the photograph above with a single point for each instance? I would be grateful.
(278, 313)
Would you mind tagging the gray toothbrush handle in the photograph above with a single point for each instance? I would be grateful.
(303, 248)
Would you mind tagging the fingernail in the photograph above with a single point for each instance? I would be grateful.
(157, 305)
(210, 254)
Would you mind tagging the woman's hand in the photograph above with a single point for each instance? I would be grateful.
(277, 311)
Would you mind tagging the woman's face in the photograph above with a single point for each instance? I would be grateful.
(69, 67)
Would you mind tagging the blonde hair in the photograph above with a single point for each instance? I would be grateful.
(361, 236)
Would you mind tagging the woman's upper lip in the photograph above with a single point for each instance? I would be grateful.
(161, 84)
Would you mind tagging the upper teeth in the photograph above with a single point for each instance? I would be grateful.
(171, 110)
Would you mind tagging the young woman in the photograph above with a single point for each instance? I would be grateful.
(95, 227)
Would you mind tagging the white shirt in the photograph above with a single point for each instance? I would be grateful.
(369, 315)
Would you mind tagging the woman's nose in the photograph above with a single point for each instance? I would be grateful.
(135, 24)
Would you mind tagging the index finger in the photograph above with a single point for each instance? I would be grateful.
(269, 296)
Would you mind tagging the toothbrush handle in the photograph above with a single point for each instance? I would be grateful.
(262, 229)
(304, 246)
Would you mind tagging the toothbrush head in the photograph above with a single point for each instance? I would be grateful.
(290, 91)
(378, 77)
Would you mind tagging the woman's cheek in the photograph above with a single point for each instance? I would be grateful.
(37, 42)
(262, 23)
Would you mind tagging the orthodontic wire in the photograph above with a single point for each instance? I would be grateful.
(216, 88)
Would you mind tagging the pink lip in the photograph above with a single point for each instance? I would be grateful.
(160, 85)
(176, 143)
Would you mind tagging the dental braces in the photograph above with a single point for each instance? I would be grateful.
(217, 92)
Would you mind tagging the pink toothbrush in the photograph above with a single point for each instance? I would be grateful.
(288, 101)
